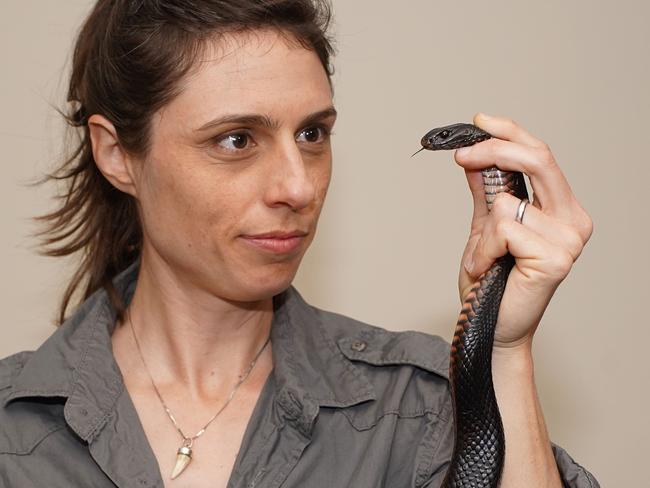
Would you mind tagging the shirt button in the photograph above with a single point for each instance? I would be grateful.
(358, 346)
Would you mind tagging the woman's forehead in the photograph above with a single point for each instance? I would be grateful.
(248, 72)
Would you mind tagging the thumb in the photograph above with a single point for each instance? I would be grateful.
(465, 279)
(475, 182)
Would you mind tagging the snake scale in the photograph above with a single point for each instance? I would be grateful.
(479, 447)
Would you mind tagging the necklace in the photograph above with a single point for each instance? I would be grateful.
(184, 453)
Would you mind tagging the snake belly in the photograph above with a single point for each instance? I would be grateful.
(479, 446)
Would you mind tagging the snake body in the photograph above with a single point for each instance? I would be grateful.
(479, 447)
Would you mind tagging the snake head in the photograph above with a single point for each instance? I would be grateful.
(453, 136)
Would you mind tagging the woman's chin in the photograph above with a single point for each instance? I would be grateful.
(264, 285)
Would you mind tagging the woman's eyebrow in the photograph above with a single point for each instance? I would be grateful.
(264, 120)
(317, 116)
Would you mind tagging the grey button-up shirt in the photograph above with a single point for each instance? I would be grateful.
(346, 405)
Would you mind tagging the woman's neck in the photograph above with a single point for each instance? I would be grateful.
(188, 335)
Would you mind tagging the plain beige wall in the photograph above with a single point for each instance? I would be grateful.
(576, 74)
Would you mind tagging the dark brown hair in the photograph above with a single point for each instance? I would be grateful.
(129, 59)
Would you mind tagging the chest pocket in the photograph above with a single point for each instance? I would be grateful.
(408, 371)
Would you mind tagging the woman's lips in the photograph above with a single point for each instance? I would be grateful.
(277, 242)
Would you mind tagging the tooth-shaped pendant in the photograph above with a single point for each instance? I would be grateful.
(183, 458)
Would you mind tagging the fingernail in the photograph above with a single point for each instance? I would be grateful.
(469, 265)
(463, 152)
(484, 116)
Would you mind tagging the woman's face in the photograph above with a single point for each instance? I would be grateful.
(239, 166)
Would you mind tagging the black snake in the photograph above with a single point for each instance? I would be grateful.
(479, 448)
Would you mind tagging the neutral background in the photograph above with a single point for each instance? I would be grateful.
(576, 74)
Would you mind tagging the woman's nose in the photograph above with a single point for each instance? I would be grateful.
(290, 181)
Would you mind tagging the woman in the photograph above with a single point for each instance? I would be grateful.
(194, 194)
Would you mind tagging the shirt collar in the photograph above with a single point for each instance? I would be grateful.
(76, 363)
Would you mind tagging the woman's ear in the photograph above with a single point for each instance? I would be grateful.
(114, 163)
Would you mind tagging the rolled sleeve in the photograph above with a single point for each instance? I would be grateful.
(573, 475)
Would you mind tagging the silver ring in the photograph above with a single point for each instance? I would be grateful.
(521, 209)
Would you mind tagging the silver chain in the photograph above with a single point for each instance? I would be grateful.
(188, 440)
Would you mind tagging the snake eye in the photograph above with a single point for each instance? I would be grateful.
(444, 134)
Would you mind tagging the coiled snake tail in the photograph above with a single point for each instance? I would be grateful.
(479, 448)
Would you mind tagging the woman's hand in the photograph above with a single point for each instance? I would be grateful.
(555, 227)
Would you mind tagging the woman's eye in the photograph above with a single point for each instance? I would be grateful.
(234, 142)
(313, 134)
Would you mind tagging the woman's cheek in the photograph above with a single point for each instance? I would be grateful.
(322, 181)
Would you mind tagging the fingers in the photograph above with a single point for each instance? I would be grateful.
(514, 149)
(566, 236)
(506, 129)
(475, 182)
(540, 238)
(548, 182)
(554, 213)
